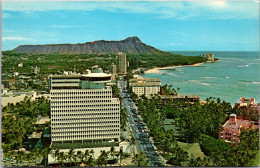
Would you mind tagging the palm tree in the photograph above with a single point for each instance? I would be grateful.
(55, 154)
(29, 158)
(140, 159)
(92, 152)
(112, 151)
(70, 155)
(133, 143)
(61, 158)
(20, 156)
(91, 161)
(79, 155)
(85, 156)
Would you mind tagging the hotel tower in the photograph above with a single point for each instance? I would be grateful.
(82, 107)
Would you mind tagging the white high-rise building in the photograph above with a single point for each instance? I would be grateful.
(82, 107)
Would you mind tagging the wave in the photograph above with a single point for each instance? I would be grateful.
(227, 77)
(243, 66)
(253, 82)
(206, 84)
(198, 82)
(208, 77)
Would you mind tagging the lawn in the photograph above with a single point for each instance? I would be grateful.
(256, 161)
(192, 149)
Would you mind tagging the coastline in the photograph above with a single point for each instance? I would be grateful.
(157, 69)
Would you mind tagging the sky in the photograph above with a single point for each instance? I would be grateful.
(215, 25)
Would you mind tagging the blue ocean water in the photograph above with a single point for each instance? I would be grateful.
(235, 75)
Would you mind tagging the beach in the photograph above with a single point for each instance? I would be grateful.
(157, 69)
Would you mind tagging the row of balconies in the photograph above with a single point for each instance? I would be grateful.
(94, 105)
(86, 119)
(106, 108)
(79, 92)
(86, 128)
(91, 123)
(86, 104)
(85, 115)
(72, 100)
(54, 132)
(85, 125)
(83, 137)
(84, 133)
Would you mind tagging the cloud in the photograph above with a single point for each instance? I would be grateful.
(17, 39)
(215, 9)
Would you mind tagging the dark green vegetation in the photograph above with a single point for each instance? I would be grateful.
(18, 122)
(197, 123)
(161, 60)
(57, 63)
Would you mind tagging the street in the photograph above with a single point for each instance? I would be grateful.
(138, 127)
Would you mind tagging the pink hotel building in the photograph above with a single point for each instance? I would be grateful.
(232, 128)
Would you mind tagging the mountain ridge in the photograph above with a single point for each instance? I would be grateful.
(130, 45)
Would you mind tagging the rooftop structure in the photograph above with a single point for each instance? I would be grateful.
(82, 107)
(232, 128)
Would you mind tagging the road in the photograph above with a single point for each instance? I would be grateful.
(138, 127)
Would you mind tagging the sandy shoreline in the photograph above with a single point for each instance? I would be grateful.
(157, 69)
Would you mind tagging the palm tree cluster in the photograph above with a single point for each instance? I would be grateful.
(140, 159)
(27, 158)
(194, 121)
(18, 121)
(87, 158)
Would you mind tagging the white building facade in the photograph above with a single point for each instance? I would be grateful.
(145, 86)
(82, 108)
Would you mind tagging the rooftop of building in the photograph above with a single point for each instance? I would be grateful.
(97, 75)
(145, 79)
(146, 84)
(237, 123)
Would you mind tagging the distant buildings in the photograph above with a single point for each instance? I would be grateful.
(246, 102)
(209, 56)
(190, 98)
(145, 86)
(112, 70)
(82, 108)
(232, 128)
(122, 63)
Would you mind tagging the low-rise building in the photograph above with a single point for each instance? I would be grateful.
(232, 128)
(145, 86)
(245, 102)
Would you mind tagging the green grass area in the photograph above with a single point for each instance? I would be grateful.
(256, 161)
(192, 149)
(59, 145)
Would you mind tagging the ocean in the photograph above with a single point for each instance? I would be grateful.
(235, 75)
